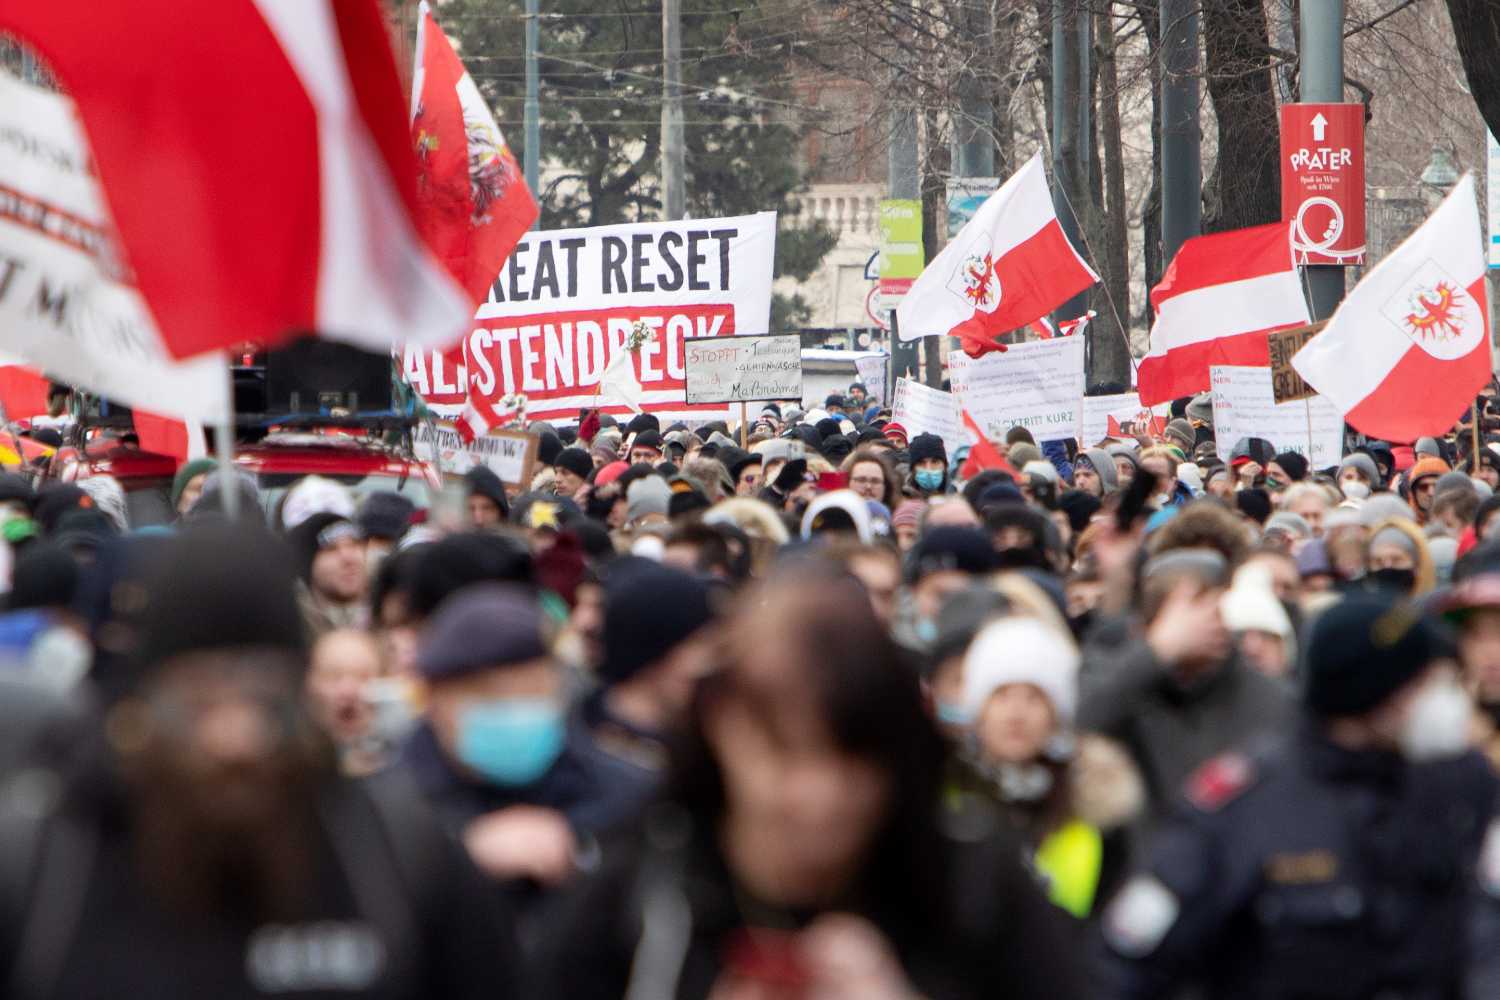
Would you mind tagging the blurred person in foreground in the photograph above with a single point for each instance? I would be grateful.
(198, 840)
(1177, 692)
(802, 849)
(1337, 861)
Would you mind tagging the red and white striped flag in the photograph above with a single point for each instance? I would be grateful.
(1044, 329)
(1409, 349)
(1008, 266)
(983, 454)
(475, 204)
(257, 162)
(1215, 304)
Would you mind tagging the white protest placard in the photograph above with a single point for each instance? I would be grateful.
(566, 301)
(1119, 414)
(66, 304)
(1244, 407)
(1037, 385)
(924, 410)
(743, 369)
(872, 372)
(509, 454)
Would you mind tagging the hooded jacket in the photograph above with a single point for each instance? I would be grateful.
(1104, 465)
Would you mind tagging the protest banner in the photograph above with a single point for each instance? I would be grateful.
(873, 372)
(1286, 384)
(565, 303)
(1037, 385)
(511, 455)
(1244, 407)
(743, 369)
(1119, 415)
(924, 410)
(66, 304)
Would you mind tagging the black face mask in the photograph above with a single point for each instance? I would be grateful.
(1393, 579)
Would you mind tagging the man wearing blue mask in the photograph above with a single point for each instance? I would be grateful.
(495, 756)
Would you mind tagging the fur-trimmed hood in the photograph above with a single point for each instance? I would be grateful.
(1108, 792)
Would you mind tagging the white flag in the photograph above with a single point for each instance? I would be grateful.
(66, 305)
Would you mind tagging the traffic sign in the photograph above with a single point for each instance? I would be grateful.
(1323, 181)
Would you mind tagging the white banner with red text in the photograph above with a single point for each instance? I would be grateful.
(567, 301)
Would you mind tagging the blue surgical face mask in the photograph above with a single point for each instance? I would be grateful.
(511, 741)
(929, 479)
(952, 713)
(926, 631)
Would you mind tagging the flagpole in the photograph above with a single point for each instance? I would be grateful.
(1474, 455)
(224, 447)
(1307, 408)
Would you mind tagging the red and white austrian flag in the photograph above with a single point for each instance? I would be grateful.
(257, 162)
(1010, 265)
(1409, 349)
(1215, 304)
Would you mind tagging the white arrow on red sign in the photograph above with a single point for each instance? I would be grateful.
(1319, 127)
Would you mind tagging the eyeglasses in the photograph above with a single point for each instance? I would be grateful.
(867, 481)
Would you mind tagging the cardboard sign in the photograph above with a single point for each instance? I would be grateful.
(567, 300)
(743, 369)
(1286, 385)
(1037, 385)
(924, 410)
(1243, 407)
(872, 372)
(511, 455)
(1323, 181)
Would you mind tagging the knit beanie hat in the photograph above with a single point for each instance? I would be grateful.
(1080, 508)
(314, 535)
(925, 446)
(1364, 464)
(547, 446)
(575, 460)
(1181, 432)
(1365, 648)
(951, 547)
(647, 495)
(648, 609)
(1022, 651)
(1021, 453)
(385, 515)
(1293, 464)
(217, 586)
(187, 473)
(315, 495)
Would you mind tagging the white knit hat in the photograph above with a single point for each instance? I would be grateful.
(1022, 651)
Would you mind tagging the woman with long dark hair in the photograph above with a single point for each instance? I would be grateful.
(804, 849)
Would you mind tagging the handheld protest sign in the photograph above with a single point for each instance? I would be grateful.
(1286, 385)
(511, 455)
(743, 369)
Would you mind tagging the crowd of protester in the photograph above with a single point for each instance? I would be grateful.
(813, 708)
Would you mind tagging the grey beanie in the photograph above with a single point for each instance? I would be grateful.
(1428, 446)
(1104, 465)
(647, 495)
(1364, 463)
(1201, 408)
(1454, 480)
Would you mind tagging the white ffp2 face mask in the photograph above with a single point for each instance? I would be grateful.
(1437, 724)
(1354, 489)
